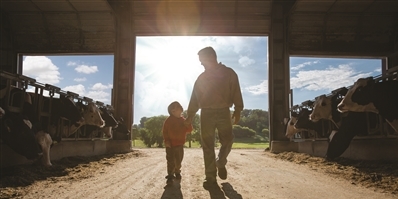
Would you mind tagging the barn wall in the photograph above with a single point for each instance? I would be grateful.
(124, 68)
(8, 56)
(392, 60)
(279, 83)
(359, 149)
(67, 149)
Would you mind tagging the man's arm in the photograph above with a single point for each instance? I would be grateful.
(193, 106)
(236, 97)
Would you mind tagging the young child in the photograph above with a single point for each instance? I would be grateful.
(174, 134)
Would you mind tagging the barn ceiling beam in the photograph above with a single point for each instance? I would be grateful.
(45, 24)
(81, 35)
(325, 24)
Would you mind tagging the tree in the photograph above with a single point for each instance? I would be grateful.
(142, 122)
(154, 129)
(135, 132)
(254, 119)
(145, 137)
(195, 134)
(265, 132)
(243, 132)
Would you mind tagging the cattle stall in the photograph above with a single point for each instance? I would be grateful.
(366, 133)
(45, 110)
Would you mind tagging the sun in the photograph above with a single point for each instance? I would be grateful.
(175, 60)
(168, 68)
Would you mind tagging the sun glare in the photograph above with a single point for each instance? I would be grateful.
(168, 68)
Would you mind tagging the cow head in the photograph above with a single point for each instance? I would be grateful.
(290, 130)
(325, 107)
(359, 97)
(107, 116)
(303, 121)
(121, 131)
(91, 114)
(322, 108)
(70, 111)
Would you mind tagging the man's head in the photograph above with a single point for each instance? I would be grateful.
(175, 109)
(207, 57)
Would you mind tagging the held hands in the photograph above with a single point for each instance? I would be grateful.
(188, 122)
(167, 144)
(236, 116)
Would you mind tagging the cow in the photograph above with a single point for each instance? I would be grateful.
(16, 131)
(354, 123)
(91, 114)
(110, 122)
(106, 130)
(121, 132)
(368, 95)
(20, 125)
(348, 124)
(289, 125)
(59, 109)
(291, 130)
(325, 107)
(320, 127)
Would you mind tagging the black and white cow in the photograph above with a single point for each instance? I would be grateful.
(91, 114)
(348, 124)
(354, 123)
(289, 125)
(16, 132)
(121, 132)
(106, 130)
(320, 127)
(367, 95)
(325, 107)
(62, 108)
(20, 125)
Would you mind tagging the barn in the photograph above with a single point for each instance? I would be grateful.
(326, 28)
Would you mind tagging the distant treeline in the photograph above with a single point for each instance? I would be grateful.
(253, 122)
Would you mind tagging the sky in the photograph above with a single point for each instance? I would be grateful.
(167, 67)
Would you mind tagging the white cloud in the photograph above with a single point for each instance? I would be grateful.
(377, 70)
(246, 61)
(309, 63)
(259, 89)
(71, 63)
(42, 69)
(86, 69)
(99, 95)
(79, 89)
(331, 78)
(80, 79)
(240, 45)
(100, 86)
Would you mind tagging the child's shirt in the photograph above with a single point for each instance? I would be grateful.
(175, 131)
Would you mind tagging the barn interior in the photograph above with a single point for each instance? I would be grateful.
(328, 28)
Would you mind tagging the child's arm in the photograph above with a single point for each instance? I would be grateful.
(166, 138)
(188, 128)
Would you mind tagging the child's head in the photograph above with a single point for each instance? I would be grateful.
(175, 109)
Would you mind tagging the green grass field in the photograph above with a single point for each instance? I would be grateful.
(242, 143)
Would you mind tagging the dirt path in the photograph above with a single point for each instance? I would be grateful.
(253, 174)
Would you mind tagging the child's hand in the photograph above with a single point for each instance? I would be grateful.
(167, 145)
(188, 122)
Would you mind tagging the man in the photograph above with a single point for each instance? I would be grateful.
(214, 92)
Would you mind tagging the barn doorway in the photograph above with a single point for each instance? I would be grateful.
(167, 67)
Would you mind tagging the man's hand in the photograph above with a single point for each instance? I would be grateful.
(236, 116)
(167, 144)
(188, 122)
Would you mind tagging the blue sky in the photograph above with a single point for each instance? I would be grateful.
(167, 67)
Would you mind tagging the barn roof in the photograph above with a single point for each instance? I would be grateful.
(90, 26)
